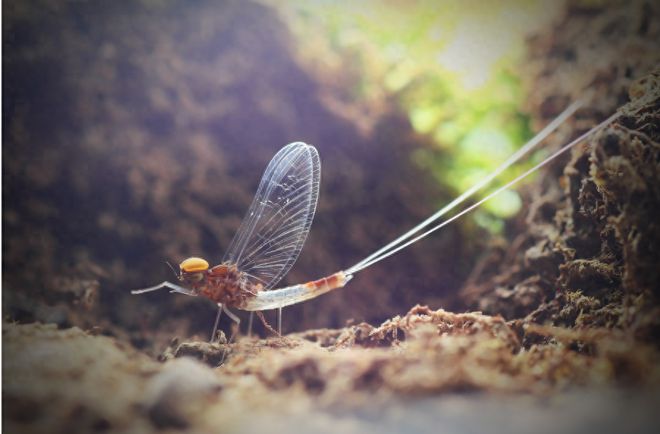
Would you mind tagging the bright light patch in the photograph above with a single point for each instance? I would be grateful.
(504, 205)
(451, 66)
(471, 54)
(487, 145)
(424, 119)
(481, 41)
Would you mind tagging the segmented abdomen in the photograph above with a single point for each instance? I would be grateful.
(274, 299)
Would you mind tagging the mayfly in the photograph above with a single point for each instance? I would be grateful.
(274, 230)
(266, 244)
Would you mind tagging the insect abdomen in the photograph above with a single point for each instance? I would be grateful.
(274, 299)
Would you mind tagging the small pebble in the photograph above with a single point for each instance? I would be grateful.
(178, 391)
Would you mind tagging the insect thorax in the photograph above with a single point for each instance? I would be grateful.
(227, 285)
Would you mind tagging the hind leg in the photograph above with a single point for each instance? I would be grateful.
(279, 321)
(250, 321)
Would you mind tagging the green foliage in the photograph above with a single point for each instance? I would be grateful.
(451, 66)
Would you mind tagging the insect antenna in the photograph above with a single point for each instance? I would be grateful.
(173, 269)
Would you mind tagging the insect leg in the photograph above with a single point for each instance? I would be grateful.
(170, 285)
(250, 324)
(217, 321)
(279, 321)
(234, 318)
(151, 288)
(265, 323)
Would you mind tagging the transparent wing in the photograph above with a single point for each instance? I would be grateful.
(277, 223)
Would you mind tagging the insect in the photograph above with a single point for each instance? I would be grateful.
(266, 245)
(277, 223)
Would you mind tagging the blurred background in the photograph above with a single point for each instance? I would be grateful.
(136, 132)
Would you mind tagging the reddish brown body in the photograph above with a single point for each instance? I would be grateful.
(333, 281)
(225, 284)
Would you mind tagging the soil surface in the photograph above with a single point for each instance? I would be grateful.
(555, 329)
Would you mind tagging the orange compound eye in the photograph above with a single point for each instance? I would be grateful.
(193, 265)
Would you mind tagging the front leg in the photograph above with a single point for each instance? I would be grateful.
(169, 285)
